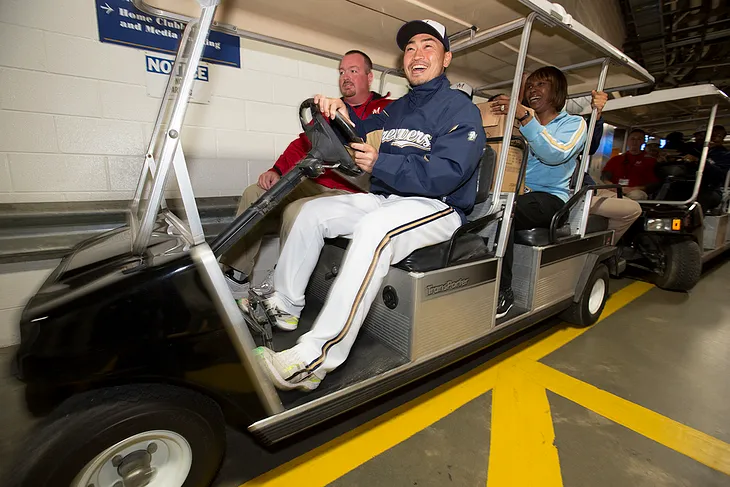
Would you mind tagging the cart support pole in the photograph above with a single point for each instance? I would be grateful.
(172, 135)
(586, 159)
(516, 84)
(507, 137)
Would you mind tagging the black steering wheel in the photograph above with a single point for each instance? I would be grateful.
(325, 144)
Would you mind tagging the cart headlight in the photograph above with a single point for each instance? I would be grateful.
(663, 224)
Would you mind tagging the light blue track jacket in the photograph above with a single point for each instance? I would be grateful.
(554, 150)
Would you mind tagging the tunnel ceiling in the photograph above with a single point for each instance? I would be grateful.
(680, 42)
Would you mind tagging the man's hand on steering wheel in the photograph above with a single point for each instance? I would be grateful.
(365, 156)
(330, 106)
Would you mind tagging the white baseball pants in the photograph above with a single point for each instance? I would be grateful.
(384, 230)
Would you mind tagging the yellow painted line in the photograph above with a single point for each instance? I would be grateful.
(334, 459)
(341, 455)
(679, 437)
(556, 337)
(522, 450)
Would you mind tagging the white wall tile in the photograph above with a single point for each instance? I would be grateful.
(271, 59)
(242, 146)
(78, 135)
(99, 196)
(198, 142)
(92, 59)
(28, 50)
(320, 70)
(19, 286)
(33, 91)
(27, 132)
(331, 90)
(224, 113)
(6, 185)
(128, 102)
(277, 119)
(293, 91)
(31, 197)
(124, 172)
(211, 176)
(74, 17)
(244, 84)
(57, 173)
(10, 326)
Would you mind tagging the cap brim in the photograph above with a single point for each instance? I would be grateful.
(412, 28)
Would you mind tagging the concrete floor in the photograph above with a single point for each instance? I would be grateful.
(666, 352)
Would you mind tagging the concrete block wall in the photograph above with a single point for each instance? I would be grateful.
(75, 117)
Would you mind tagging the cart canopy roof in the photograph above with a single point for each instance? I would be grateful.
(332, 27)
(660, 112)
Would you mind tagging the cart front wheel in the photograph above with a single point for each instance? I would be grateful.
(139, 436)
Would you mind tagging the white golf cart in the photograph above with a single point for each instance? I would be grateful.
(675, 235)
(137, 353)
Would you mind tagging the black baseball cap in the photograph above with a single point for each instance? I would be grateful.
(415, 27)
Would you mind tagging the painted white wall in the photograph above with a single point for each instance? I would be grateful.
(75, 117)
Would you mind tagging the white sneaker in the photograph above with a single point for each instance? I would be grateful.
(282, 367)
(282, 319)
(238, 289)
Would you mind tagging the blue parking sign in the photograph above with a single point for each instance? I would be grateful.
(121, 23)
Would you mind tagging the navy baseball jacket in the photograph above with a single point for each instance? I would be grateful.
(432, 140)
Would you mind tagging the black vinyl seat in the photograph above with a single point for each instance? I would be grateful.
(462, 247)
(540, 237)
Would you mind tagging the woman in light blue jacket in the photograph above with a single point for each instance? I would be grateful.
(556, 139)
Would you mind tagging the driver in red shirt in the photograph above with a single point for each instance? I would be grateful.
(634, 170)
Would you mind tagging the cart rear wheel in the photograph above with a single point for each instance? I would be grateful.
(141, 436)
(589, 306)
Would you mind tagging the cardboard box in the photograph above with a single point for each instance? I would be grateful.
(494, 126)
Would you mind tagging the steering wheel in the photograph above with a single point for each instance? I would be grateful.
(325, 144)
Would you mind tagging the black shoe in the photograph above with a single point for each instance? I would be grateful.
(505, 302)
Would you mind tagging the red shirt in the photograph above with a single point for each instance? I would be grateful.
(631, 170)
(300, 146)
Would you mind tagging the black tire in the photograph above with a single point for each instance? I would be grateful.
(683, 265)
(579, 312)
(85, 425)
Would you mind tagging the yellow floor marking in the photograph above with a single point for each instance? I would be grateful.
(556, 337)
(341, 455)
(522, 450)
(677, 436)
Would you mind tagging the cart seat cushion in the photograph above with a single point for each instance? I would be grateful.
(466, 247)
(596, 224)
(540, 237)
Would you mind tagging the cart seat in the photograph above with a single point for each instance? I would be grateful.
(466, 247)
(540, 237)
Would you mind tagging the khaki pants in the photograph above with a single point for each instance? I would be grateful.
(636, 194)
(242, 255)
(621, 212)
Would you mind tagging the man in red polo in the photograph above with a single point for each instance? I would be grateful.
(356, 76)
(634, 170)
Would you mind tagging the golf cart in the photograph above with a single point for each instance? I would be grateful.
(138, 356)
(673, 238)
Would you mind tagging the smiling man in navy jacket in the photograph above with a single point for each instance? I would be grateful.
(423, 159)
